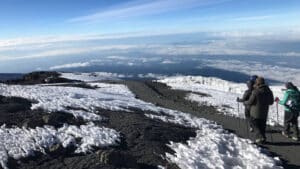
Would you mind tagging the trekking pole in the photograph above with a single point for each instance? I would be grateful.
(277, 113)
(247, 126)
(271, 134)
(238, 104)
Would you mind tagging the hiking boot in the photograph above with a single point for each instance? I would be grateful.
(285, 134)
(260, 140)
(295, 138)
(251, 129)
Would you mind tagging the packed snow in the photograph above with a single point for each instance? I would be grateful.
(22, 142)
(85, 101)
(212, 147)
(95, 76)
(222, 94)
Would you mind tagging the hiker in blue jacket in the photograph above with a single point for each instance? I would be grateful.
(291, 103)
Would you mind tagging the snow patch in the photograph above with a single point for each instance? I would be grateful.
(95, 76)
(213, 147)
(21, 142)
(56, 98)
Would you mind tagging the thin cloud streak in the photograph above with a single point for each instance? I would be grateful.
(254, 18)
(143, 9)
(214, 48)
(7, 44)
(47, 41)
(70, 65)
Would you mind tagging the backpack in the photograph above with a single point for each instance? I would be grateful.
(293, 102)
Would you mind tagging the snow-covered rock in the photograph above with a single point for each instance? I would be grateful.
(95, 76)
(22, 142)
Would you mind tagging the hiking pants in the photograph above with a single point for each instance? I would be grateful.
(248, 118)
(291, 120)
(259, 126)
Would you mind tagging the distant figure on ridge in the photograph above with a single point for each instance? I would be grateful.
(246, 97)
(291, 103)
(259, 102)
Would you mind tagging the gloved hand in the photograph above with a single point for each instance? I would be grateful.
(276, 99)
(238, 99)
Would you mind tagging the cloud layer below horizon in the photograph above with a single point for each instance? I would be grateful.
(197, 43)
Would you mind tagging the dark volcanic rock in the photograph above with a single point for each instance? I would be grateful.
(144, 138)
(40, 78)
(143, 145)
(16, 111)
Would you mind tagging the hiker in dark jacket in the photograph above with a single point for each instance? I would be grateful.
(290, 113)
(259, 102)
(246, 97)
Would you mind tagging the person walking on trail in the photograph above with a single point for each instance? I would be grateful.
(260, 100)
(246, 97)
(291, 103)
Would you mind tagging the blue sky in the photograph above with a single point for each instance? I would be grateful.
(40, 34)
(22, 18)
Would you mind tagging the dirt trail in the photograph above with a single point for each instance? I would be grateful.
(161, 95)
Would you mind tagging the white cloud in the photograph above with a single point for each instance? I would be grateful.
(152, 76)
(46, 41)
(290, 34)
(117, 57)
(220, 43)
(279, 73)
(213, 48)
(70, 65)
(68, 51)
(168, 62)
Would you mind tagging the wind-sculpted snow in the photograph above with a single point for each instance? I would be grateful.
(22, 142)
(95, 76)
(58, 98)
(210, 148)
(222, 94)
(213, 147)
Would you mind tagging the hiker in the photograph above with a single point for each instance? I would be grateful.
(291, 103)
(259, 102)
(246, 97)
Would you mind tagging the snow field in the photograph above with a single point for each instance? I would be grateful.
(223, 95)
(213, 147)
(57, 98)
(212, 143)
(18, 143)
